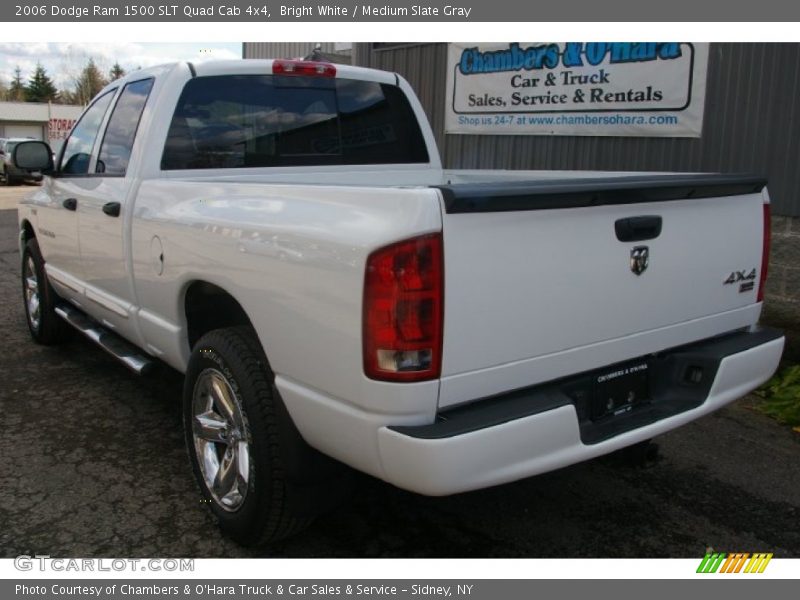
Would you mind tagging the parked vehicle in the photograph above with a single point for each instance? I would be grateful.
(10, 173)
(284, 234)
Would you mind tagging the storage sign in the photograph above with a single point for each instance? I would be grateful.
(577, 88)
(58, 129)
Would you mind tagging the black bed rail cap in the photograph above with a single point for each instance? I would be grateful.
(594, 191)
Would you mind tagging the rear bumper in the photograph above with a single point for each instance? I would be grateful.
(507, 438)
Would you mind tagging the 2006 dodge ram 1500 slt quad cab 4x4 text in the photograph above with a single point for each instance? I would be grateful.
(283, 233)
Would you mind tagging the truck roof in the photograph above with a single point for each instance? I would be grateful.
(264, 66)
(253, 67)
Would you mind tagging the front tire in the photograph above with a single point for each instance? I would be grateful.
(40, 300)
(231, 428)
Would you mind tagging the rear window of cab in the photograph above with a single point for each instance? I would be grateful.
(241, 121)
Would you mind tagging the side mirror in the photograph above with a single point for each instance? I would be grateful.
(33, 156)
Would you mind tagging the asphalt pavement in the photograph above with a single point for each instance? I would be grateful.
(92, 464)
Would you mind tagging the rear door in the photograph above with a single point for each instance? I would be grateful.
(101, 211)
(544, 284)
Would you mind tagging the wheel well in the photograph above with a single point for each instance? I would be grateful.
(27, 231)
(209, 307)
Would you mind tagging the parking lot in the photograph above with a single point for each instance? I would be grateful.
(93, 464)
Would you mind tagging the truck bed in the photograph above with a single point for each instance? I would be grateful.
(538, 279)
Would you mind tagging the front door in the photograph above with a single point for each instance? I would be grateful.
(57, 207)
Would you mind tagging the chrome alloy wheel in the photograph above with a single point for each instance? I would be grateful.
(32, 294)
(221, 439)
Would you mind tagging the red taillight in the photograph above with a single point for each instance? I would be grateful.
(403, 301)
(303, 67)
(765, 253)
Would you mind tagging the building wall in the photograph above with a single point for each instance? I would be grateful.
(294, 50)
(10, 129)
(52, 121)
(782, 307)
(751, 124)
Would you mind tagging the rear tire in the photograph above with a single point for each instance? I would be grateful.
(40, 300)
(231, 424)
(7, 180)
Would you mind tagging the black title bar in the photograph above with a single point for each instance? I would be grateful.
(432, 10)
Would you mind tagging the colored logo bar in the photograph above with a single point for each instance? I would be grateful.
(737, 562)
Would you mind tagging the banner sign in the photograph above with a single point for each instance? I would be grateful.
(577, 88)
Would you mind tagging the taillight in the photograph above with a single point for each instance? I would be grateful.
(403, 302)
(765, 253)
(303, 67)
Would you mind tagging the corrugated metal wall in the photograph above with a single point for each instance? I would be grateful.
(751, 123)
(283, 49)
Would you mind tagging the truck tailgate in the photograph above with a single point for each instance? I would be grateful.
(577, 269)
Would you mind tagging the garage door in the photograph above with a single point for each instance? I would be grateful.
(24, 131)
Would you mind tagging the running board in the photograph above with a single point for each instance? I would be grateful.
(128, 354)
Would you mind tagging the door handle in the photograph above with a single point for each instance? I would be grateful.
(638, 229)
(111, 209)
(70, 203)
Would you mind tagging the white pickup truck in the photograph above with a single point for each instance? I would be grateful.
(283, 233)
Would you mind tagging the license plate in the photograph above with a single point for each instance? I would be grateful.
(618, 390)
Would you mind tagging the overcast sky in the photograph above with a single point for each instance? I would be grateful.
(64, 60)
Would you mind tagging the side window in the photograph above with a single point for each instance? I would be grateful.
(115, 150)
(78, 148)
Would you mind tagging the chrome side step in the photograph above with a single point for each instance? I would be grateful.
(128, 354)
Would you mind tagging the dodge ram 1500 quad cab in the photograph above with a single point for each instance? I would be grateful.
(284, 233)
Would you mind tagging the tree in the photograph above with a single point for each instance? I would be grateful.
(116, 72)
(16, 92)
(40, 87)
(89, 83)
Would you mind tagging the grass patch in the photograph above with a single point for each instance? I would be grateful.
(781, 396)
